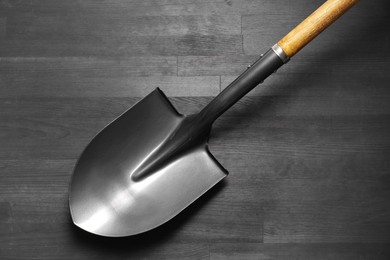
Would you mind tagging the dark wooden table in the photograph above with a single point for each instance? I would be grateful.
(308, 151)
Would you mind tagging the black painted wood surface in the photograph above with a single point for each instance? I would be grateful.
(308, 151)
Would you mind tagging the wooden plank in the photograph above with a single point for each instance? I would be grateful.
(311, 106)
(111, 25)
(322, 212)
(214, 65)
(123, 46)
(168, 7)
(153, 8)
(117, 87)
(26, 68)
(147, 7)
(3, 24)
(299, 251)
(92, 77)
(97, 77)
(51, 240)
(296, 137)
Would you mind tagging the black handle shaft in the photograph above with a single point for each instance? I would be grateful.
(248, 80)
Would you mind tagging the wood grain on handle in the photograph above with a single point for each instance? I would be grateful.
(313, 25)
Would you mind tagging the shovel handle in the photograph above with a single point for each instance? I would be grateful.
(313, 25)
(274, 58)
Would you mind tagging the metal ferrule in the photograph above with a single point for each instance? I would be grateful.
(280, 52)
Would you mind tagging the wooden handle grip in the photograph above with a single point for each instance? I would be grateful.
(313, 25)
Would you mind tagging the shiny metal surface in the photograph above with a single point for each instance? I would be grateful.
(280, 52)
(104, 196)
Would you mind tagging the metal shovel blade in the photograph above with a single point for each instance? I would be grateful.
(106, 195)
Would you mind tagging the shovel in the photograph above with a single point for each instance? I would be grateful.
(152, 162)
